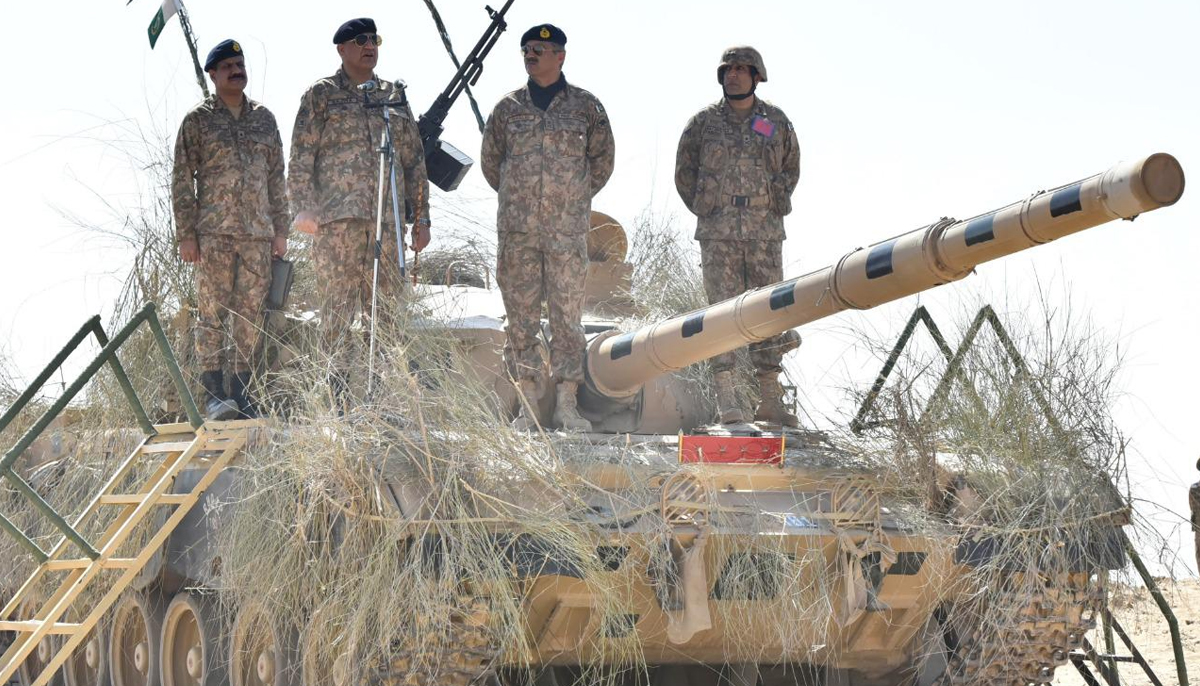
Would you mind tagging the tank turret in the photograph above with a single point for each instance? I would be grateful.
(620, 364)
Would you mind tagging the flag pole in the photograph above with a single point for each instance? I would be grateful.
(191, 43)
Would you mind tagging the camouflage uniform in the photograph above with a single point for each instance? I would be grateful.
(736, 173)
(1194, 504)
(228, 194)
(546, 166)
(334, 172)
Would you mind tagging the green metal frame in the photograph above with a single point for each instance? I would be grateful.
(919, 316)
(107, 355)
(954, 370)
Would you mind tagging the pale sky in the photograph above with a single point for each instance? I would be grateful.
(906, 112)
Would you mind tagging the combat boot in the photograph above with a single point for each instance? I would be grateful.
(238, 392)
(217, 406)
(566, 408)
(526, 419)
(339, 392)
(771, 409)
(728, 409)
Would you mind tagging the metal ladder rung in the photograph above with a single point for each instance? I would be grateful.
(83, 563)
(29, 626)
(136, 499)
(167, 447)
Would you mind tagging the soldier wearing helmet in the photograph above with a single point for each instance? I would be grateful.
(737, 165)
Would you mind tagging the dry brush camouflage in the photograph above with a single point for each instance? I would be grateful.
(546, 166)
(334, 165)
(736, 173)
(228, 175)
(231, 285)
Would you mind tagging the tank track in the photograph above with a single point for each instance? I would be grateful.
(1025, 635)
(457, 654)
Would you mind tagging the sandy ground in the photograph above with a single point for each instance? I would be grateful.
(1139, 615)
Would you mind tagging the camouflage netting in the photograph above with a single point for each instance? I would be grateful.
(396, 533)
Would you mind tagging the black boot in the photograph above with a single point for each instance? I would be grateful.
(217, 406)
(339, 390)
(238, 393)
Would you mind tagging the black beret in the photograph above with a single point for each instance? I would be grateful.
(352, 28)
(546, 32)
(224, 50)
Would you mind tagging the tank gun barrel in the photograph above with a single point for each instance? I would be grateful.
(618, 364)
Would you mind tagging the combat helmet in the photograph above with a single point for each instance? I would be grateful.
(741, 54)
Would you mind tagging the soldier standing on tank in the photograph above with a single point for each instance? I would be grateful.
(547, 149)
(231, 215)
(333, 178)
(737, 165)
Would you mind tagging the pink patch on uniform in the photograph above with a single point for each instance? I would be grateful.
(762, 126)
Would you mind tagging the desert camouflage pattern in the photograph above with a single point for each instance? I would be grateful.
(722, 160)
(228, 176)
(344, 259)
(334, 166)
(529, 275)
(546, 166)
(731, 268)
(231, 285)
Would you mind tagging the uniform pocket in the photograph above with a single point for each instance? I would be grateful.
(524, 135)
(713, 154)
(569, 137)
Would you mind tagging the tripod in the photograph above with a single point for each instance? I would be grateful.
(387, 164)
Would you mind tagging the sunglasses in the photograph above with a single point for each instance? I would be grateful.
(538, 50)
(364, 38)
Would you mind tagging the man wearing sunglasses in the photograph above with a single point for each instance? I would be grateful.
(736, 167)
(231, 214)
(333, 180)
(547, 149)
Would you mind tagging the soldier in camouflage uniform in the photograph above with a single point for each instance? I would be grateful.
(547, 149)
(737, 165)
(333, 178)
(1194, 505)
(231, 214)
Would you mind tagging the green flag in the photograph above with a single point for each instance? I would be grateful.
(168, 10)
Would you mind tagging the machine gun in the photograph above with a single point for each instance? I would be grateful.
(446, 164)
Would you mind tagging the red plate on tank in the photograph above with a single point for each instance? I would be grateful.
(731, 449)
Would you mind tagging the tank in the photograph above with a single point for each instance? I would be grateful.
(760, 557)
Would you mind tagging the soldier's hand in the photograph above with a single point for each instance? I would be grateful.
(279, 246)
(306, 222)
(420, 236)
(189, 250)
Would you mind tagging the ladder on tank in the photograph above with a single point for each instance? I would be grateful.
(208, 446)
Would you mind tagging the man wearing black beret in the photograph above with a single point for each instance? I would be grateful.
(231, 214)
(547, 149)
(333, 180)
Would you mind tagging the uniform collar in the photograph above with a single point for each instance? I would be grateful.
(759, 107)
(342, 79)
(217, 104)
(562, 78)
